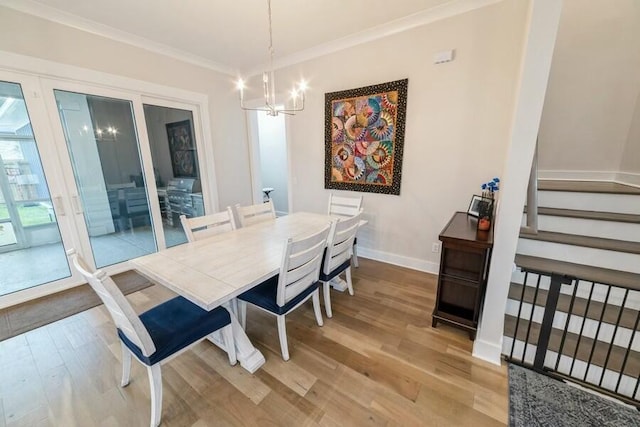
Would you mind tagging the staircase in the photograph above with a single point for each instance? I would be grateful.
(574, 300)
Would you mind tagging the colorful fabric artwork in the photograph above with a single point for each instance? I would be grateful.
(364, 138)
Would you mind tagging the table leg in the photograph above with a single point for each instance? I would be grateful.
(249, 357)
(338, 284)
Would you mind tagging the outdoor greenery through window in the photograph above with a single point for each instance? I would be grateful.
(25, 180)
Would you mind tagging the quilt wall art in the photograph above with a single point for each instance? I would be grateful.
(364, 137)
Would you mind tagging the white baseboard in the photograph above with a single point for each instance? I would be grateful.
(628, 178)
(400, 260)
(487, 351)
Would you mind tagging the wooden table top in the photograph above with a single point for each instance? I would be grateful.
(463, 227)
(215, 270)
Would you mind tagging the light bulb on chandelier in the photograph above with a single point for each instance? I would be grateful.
(269, 86)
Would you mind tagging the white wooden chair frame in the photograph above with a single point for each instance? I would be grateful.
(253, 214)
(300, 268)
(208, 225)
(126, 319)
(339, 250)
(346, 207)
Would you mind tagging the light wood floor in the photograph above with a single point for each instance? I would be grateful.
(376, 362)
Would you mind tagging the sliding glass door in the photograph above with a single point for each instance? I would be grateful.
(102, 142)
(176, 168)
(31, 249)
(103, 171)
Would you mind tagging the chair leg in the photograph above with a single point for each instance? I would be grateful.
(282, 334)
(355, 256)
(326, 288)
(155, 386)
(316, 306)
(242, 308)
(349, 284)
(126, 366)
(229, 343)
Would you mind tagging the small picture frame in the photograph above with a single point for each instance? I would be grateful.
(474, 206)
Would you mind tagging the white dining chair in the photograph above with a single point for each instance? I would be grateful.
(208, 225)
(253, 214)
(158, 334)
(346, 207)
(295, 284)
(337, 258)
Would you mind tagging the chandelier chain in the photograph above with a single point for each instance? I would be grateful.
(268, 85)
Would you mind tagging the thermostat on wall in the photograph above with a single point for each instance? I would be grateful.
(444, 56)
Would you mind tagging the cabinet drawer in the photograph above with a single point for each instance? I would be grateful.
(464, 264)
(458, 293)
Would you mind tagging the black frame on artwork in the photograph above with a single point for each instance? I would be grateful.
(182, 149)
(398, 144)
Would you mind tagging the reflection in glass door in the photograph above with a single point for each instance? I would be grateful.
(175, 165)
(103, 147)
(31, 250)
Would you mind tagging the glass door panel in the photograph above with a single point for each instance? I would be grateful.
(102, 141)
(31, 249)
(175, 166)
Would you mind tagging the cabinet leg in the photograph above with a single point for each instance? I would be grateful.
(472, 335)
(434, 322)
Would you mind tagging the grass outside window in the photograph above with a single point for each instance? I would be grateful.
(30, 214)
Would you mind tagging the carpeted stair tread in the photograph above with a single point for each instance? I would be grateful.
(584, 241)
(590, 273)
(627, 320)
(594, 215)
(587, 187)
(616, 358)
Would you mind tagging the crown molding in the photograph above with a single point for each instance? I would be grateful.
(447, 10)
(418, 19)
(56, 15)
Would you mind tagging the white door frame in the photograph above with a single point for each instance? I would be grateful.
(30, 72)
(43, 135)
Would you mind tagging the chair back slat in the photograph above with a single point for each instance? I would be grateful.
(135, 200)
(344, 206)
(301, 262)
(340, 242)
(114, 203)
(253, 214)
(208, 225)
(123, 315)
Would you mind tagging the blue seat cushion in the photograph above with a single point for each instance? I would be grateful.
(339, 269)
(264, 295)
(174, 325)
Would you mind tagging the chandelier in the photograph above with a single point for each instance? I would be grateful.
(269, 87)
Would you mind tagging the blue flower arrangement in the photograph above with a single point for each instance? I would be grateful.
(488, 188)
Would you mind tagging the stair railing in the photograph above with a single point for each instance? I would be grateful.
(532, 197)
(588, 319)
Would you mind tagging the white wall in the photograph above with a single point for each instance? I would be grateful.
(28, 35)
(273, 158)
(631, 155)
(457, 129)
(593, 87)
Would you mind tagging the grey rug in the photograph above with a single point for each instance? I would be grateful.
(537, 400)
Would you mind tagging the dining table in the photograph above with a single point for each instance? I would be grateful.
(213, 271)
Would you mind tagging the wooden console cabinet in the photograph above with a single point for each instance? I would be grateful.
(464, 268)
